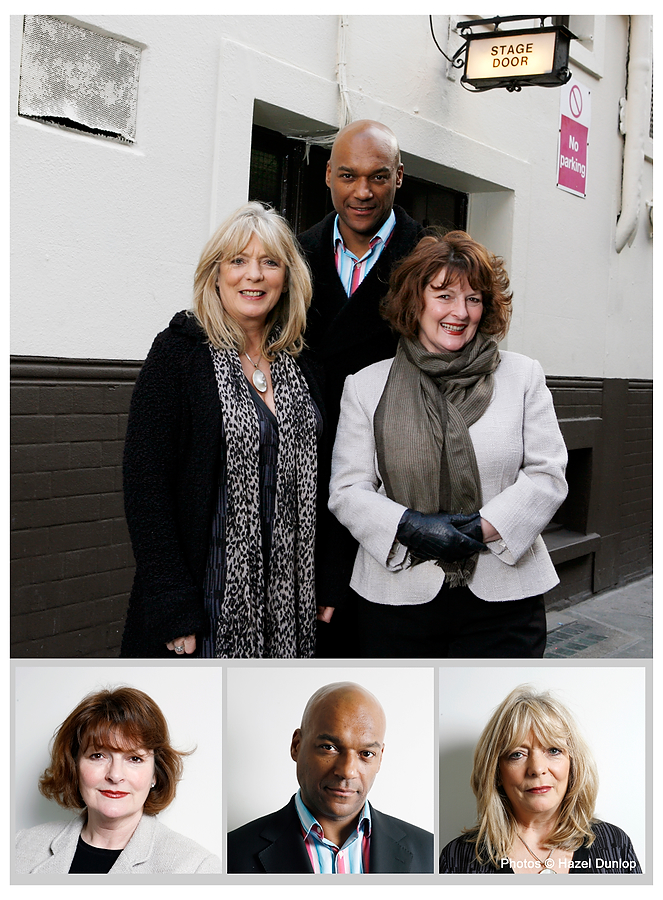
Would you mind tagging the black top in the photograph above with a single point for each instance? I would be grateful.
(611, 854)
(89, 860)
(215, 577)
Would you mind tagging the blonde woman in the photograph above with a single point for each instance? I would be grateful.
(536, 783)
(221, 458)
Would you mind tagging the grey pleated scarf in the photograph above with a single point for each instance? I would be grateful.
(425, 454)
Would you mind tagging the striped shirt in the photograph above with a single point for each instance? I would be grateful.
(351, 270)
(328, 859)
(611, 853)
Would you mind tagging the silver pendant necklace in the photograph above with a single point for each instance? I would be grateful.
(546, 864)
(258, 379)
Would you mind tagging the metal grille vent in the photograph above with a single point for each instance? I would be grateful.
(76, 78)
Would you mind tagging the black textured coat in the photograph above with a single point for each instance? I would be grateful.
(274, 845)
(346, 334)
(173, 455)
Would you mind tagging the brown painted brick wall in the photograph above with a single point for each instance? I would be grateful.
(72, 565)
(575, 583)
(577, 398)
(636, 551)
(613, 418)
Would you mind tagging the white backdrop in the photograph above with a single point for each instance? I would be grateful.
(608, 704)
(190, 699)
(264, 706)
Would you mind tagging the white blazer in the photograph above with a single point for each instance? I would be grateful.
(521, 458)
(153, 849)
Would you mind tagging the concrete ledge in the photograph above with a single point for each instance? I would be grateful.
(564, 544)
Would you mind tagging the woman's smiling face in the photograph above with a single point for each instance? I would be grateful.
(451, 315)
(114, 784)
(250, 284)
(535, 777)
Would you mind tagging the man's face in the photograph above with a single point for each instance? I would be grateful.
(338, 755)
(363, 175)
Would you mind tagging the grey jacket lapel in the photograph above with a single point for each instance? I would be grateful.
(139, 848)
(387, 853)
(63, 847)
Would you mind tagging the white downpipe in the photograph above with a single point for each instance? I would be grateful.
(636, 128)
(346, 111)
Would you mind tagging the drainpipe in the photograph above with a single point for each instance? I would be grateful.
(634, 123)
(345, 117)
(346, 111)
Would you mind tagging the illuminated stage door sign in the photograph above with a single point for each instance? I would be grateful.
(575, 116)
(524, 54)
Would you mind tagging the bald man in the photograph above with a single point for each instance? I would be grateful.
(329, 827)
(351, 254)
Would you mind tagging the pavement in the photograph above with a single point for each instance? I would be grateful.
(614, 624)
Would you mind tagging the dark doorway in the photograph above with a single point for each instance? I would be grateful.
(293, 182)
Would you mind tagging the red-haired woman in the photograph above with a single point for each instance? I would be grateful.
(112, 759)
(448, 464)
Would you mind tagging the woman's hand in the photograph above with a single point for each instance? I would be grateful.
(489, 533)
(445, 536)
(325, 613)
(183, 645)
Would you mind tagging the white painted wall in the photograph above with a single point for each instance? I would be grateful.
(105, 238)
(264, 706)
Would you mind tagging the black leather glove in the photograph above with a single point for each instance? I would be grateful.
(472, 528)
(445, 536)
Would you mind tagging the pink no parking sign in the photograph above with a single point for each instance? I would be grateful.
(574, 123)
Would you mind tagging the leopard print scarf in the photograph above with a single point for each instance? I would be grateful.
(277, 618)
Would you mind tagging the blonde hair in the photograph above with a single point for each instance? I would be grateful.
(230, 239)
(522, 713)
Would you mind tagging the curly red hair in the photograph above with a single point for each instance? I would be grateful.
(460, 256)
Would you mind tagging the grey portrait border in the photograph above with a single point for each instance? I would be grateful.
(305, 665)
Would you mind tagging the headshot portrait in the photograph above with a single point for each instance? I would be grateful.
(314, 766)
(116, 770)
(533, 771)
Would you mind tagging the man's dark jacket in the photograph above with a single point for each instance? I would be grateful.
(348, 333)
(274, 845)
